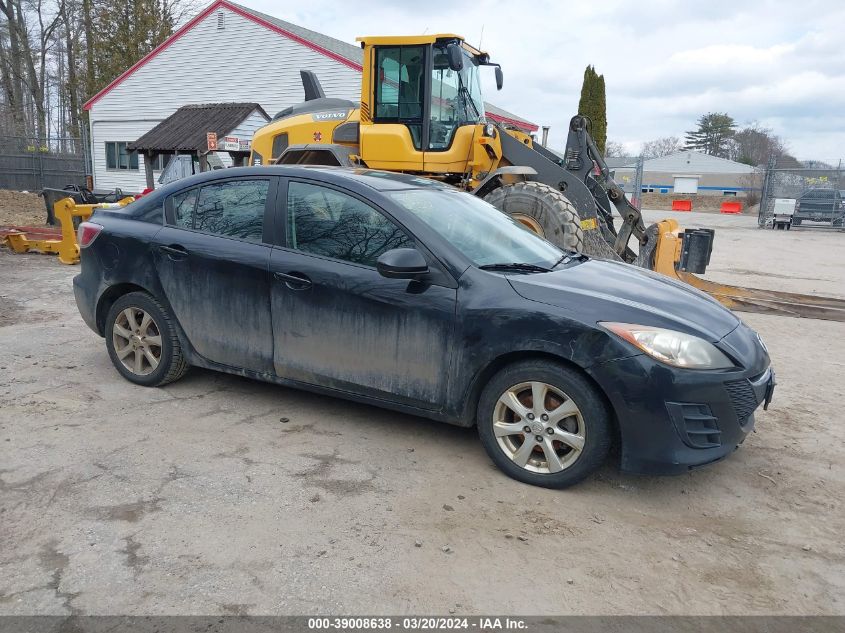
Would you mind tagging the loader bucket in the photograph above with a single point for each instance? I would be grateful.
(670, 260)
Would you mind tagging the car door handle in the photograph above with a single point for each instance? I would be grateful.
(294, 281)
(174, 252)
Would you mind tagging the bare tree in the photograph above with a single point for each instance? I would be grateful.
(755, 144)
(614, 150)
(661, 147)
(12, 64)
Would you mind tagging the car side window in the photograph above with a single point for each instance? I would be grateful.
(234, 208)
(327, 222)
(183, 208)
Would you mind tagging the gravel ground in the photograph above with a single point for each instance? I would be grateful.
(220, 495)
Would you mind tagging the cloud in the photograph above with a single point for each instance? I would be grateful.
(665, 63)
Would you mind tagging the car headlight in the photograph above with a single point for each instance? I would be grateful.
(671, 347)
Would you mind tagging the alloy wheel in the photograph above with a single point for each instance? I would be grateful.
(539, 427)
(137, 341)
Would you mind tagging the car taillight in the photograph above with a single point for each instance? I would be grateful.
(87, 233)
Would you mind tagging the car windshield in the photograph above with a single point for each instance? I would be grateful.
(485, 235)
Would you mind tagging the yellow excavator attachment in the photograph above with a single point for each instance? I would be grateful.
(668, 255)
(65, 211)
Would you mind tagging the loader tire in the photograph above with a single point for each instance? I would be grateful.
(544, 210)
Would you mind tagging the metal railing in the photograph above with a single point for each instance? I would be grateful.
(817, 190)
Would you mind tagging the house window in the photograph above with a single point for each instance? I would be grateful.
(160, 161)
(118, 157)
(729, 193)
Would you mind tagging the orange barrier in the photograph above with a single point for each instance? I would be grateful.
(681, 205)
(731, 207)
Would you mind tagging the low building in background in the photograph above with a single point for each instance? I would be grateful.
(688, 173)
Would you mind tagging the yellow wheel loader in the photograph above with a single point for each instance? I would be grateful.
(422, 112)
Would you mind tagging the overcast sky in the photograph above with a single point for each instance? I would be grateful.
(665, 63)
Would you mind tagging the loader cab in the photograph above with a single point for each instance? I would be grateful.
(422, 104)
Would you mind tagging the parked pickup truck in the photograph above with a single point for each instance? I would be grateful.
(819, 205)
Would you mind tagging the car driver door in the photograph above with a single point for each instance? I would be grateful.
(336, 321)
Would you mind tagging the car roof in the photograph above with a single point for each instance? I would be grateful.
(373, 178)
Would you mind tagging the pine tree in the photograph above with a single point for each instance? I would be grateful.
(593, 105)
(714, 135)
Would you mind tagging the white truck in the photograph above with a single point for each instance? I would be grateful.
(782, 213)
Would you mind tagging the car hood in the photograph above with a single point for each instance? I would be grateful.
(598, 290)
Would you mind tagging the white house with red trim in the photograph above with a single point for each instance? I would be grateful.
(227, 53)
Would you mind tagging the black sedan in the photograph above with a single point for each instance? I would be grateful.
(409, 294)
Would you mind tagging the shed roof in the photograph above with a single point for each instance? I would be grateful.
(185, 129)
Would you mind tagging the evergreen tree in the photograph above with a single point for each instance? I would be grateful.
(714, 136)
(593, 105)
(126, 31)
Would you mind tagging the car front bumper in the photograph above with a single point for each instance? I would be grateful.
(672, 420)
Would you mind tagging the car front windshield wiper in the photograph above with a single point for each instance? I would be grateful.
(568, 257)
(517, 266)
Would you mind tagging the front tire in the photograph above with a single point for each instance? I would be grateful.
(142, 342)
(544, 424)
(542, 209)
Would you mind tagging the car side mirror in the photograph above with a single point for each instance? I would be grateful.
(500, 78)
(402, 263)
(456, 56)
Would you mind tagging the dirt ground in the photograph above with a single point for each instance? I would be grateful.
(18, 208)
(218, 494)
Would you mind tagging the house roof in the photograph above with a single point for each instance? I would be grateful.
(347, 54)
(503, 116)
(689, 161)
(617, 162)
(185, 129)
(345, 50)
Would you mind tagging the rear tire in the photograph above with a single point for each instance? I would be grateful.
(569, 430)
(539, 206)
(142, 342)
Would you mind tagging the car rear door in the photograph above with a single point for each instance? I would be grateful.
(212, 259)
(337, 322)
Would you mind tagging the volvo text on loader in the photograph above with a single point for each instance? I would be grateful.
(422, 112)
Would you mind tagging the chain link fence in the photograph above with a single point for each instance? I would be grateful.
(810, 195)
(31, 164)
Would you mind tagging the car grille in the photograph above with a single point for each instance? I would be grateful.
(695, 424)
(743, 398)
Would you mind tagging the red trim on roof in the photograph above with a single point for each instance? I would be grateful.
(295, 38)
(202, 15)
(522, 125)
